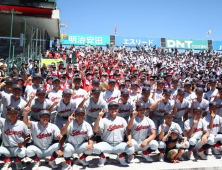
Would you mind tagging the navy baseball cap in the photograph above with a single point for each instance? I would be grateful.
(146, 89)
(18, 78)
(175, 79)
(197, 109)
(67, 91)
(96, 90)
(219, 88)
(77, 76)
(199, 89)
(37, 75)
(213, 81)
(124, 92)
(80, 110)
(17, 86)
(95, 81)
(200, 84)
(55, 79)
(160, 82)
(168, 114)
(169, 74)
(134, 83)
(88, 73)
(41, 90)
(176, 131)
(146, 84)
(167, 90)
(9, 80)
(13, 109)
(44, 112)
(181, 90)
(140, 105)
(188, 83)
(112, 81)
(122, 83)
(113, 103)
(213, 104)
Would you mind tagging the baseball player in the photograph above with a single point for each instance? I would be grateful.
(210, 95)
(39, 103)
(112, 129)
(134, 95)
(164, 129)
(33, 88)
(13, 99)
(55, 93)
(143, 133)
(8, 85)
(157, 91)
(146, 99)
(181, 107)
(15, 136)
(126, 105)
(189, 95)
(214, 122)
(43, 135)
(160, 106)
(112, 93)
(78, 131)
(198, 135)
(199, 102)
(64, 108)
(218, 99)
(78, 93)
(175, 83)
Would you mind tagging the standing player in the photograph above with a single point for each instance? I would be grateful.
(143, 133)
(43, 135)
(157, 91)
(78, 131)
(112, 129)
(210, 95)
(15, 136)
(175, 83)
(218, 99)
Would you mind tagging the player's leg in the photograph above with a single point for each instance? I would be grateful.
(136, 146)
(161, 148)
(19, 153)
(178, 146)
(217, 144)
(148, 149)
(192, 143)
(67, 153)
(35, 154)
(81, 149)
(52, 151)
(201, 148)
(5, 155)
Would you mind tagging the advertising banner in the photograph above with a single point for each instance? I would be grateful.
(217, 45)
(134, 41)
(77, 39)
(18, 10)
(187, 44)
(50, 61)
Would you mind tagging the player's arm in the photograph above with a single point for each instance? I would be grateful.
(161, 135)
(96, 125)
(21, 145)
(151, 137)
(184, 141)
(165, 137)
(65, 127)
(53, 105)
(26, 111)
(133, 115)
(90, 144)
(190, 132)
(83, 101)
(192, 106)
(154, 105)
(129, 137)
(61, 145)
(175, 107)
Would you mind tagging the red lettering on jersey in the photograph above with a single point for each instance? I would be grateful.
(44, 135)
(77, 96)
(114, 127)
(11, 132)
(64, 111)
(161, 111)
(140, 127)
(110, 99)
(174, 97)
(215, 125)
(197, 130)
(95, 109)
(54, 98)
(180, 109)
(78, 132)
(37, 110)
(212, 97)
(123, 111)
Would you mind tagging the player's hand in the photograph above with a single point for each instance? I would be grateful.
(195, 122)
(164, 125)
(48, 91)
(89, 147)
(120, 102)
(101, 114)
(56, 102)
(169, 132)
(60, 153)
(182, 146)
(3, 84)
(86, 97)
(134, 113)
(137, 100)
(213, 115)
(27, 109)
(194, 101)
(177, 101)
(143, 144)
(162, 98)
(20, 145)
(129, 143)
(73, 93)
(71, 118)
(31, 96)
(155, 87)
(204, 140)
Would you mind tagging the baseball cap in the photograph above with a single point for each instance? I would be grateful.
(41, 90)
(67, 91)
(56, 79)
(176, 131)
(197, 109)
(199, 89)
(146, 84)
(188, 83)
(219, 88)
(96, 90)
(18, 78)
(167, 90)
(17, 86)
(145, 89)
(112, 81)
(44, 112)
(200, 84)
(124, 92)
(9, 80)
(213, 81)
(181, 90)
(80, 110)
(37, 75)
(95, 81)
(140, 105)
(175, 79)
(213, 104)
(77, 76)
(113, 103)
(168, 114)
(88, 73)
(160, 82)
(13, 109)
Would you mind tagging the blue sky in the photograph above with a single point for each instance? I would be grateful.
(188, 19)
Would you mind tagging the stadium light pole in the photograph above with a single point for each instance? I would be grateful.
(10, 42)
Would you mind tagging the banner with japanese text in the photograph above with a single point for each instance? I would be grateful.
(134, 41)
(77, 39)
(187, 44)
(217, 45)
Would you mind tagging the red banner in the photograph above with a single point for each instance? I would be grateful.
(36, 12)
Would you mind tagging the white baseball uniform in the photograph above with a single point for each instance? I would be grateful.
(109, 96)
(210, 95)
(147, 104)
(79, 95)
